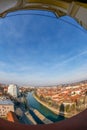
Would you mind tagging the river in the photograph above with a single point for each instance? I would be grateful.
(32, 102)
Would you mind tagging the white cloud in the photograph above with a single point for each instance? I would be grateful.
(66, 61)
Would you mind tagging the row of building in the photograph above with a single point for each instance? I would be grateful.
(62, 94)
(71, 98)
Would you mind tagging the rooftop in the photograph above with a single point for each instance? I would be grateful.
(6, 102)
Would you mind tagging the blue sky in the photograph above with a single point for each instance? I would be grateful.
(37, 50)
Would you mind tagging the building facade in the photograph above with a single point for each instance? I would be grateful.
(13, 90)
(5, 107)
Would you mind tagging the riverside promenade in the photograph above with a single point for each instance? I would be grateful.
(30, 118)
(55, 111)
(41, 117)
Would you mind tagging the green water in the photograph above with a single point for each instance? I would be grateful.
(46, 112)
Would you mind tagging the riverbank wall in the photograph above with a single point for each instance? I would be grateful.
(30, 118)
(41, 117)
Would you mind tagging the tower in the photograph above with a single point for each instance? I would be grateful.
(13, 90)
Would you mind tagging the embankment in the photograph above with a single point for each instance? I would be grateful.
(55, 111)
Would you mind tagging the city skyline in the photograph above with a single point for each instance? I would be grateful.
(40, 50)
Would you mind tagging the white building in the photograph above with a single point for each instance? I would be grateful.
(5, 107)
(13, 90)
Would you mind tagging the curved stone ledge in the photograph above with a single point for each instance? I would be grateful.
(78, 122)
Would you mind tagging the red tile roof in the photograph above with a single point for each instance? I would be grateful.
(11, 116)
